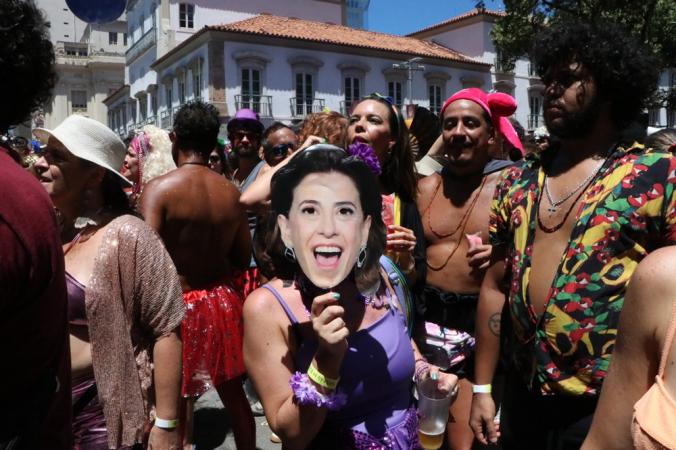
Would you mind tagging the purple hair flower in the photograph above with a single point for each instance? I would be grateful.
(367, 155)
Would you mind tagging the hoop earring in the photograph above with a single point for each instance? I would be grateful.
(362, 256)
(289, 253)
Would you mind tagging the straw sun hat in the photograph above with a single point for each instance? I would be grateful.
(89, 140)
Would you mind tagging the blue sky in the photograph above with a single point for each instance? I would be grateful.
(406, 16)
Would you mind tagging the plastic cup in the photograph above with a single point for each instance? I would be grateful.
(433, 411)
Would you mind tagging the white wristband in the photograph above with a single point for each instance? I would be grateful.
(168, 424)
(482, 389)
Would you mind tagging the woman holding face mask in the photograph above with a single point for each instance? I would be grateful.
(326, 344)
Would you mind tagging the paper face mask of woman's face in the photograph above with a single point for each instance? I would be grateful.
(325, 227)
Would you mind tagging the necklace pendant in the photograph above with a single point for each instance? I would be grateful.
(551, 210)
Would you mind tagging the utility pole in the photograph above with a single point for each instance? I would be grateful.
(409, 67)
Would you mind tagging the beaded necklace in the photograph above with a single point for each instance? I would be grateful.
(462, 219)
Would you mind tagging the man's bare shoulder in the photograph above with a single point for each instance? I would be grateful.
(427, 185)
(163, 183)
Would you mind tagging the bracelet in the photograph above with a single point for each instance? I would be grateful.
(320, 379)
(407, 271)
(306, 393)
(482, 388)
(415, 363)
(420, 372)
(169, 424)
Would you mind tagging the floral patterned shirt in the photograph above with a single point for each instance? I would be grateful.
(627, 211)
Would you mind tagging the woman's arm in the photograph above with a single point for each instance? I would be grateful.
(269, 362)
(257, 195)
(636, 357)
(168, 360)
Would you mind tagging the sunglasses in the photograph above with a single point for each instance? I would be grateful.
(282, 149)
(15, 141)
(239, 135)
(214, 159)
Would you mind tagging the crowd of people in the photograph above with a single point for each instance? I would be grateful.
(327, 269)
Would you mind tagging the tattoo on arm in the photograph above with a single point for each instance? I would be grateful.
(494, 324)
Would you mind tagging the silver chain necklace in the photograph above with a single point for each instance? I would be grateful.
(553, 204)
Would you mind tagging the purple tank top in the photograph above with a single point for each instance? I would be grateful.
(376, 372)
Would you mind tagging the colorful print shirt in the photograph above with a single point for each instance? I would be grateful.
(628, 211)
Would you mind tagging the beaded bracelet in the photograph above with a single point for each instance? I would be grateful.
(306, 393)
(420, 372)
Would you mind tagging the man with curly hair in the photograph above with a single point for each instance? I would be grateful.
(35, 374)
(197, 213)
(568, 227)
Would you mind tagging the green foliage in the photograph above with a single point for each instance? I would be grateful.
(651, 21)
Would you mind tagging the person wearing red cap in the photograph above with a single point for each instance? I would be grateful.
(454, 204)
(568, 228)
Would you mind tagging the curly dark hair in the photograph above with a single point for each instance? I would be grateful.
(26, 61)
(624, 71)
(283, 186)
(196, 125)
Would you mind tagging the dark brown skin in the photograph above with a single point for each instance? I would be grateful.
(467, 140)
(197, 214)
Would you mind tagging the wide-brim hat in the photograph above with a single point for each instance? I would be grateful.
(246, 116)
(89, 140)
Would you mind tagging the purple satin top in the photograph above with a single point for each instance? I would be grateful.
(77, 313)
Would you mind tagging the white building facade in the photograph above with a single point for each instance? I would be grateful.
(89, 63)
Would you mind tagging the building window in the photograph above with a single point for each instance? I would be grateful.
(153, 105)
(535, 117)
(436, 99)
(186, 15)
(181, 91)
(197, 81)
(394, 90)
(352, 91)
(79, 99)
(304, 93)
(671, 119)
(153, 14)
(124, 39)
(654, 117)
(143, 109)
(142, 26)
(112, 38)
(167, 97)
(251, 89)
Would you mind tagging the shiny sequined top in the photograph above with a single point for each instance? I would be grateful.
(133, 298)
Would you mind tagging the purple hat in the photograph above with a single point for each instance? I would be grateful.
(246, 116)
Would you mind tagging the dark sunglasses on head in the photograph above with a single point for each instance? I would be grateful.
(375, 95)
(15, 141)
(282, 149)
(213, 159)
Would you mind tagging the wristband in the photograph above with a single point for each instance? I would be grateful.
(168, 424)
(320, 379)
(407, 271)
(482, 388)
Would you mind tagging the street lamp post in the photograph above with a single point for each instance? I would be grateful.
(409, 67)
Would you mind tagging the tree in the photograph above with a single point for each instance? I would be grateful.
(651, 21)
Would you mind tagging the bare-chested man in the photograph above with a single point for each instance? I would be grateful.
(455, 203)
(197, 214)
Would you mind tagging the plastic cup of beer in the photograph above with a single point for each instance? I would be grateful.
(433, 412)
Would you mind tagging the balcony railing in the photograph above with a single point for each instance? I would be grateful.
(301, 107)
(150, 120)
(262, 104)
(140, 46)
(502, 67)
(535, 121)
(166, 118)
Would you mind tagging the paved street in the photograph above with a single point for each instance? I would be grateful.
(213, 431)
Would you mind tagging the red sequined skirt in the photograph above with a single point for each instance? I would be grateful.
(212, 336)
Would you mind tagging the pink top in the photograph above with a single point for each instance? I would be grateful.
(654, 424)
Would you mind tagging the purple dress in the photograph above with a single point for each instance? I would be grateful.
(376, 375)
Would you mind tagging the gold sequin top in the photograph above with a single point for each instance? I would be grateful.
(134, 297)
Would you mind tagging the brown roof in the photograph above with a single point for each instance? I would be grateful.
(305, 30)
(115, 92)
(461, 17)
